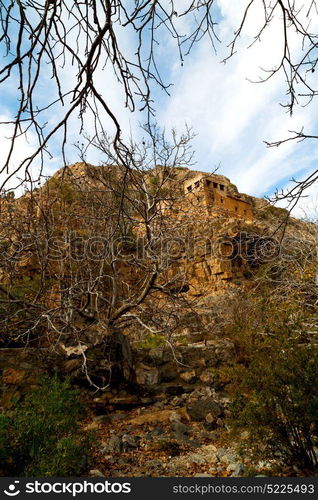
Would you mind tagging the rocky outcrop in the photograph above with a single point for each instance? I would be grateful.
(184, 365)
(158, 372)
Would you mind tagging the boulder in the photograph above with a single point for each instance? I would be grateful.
(72, 350)
(195, 337)
(122, 399)
(150, 436)
(203, 475)
(12, 376)
(169, 372)
(72, 364)
(188, 377)
(209, 418)
(114, 445)
(129, 442)
(175, 390)
(100, 419)
(156, 417)
(207, 377)
(96, 473)
(196, 458)
(237, 470)
(146, 375)
(92, 426)
(198, 410)
(180, 430)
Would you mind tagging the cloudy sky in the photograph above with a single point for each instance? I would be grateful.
(231, 116)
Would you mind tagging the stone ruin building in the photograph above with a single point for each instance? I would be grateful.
(217, 195)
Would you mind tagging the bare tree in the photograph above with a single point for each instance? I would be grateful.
(73, 42)
(89, 254)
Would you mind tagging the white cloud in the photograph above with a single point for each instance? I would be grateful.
(45, 91)
(233, 116)
(24, 147)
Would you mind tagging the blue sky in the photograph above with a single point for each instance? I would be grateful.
(231, 116)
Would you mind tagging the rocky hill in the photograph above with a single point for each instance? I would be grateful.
(145, 222)
(129, 282)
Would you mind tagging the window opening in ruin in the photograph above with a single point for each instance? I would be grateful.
(197, 184)
(215, 185)
(189, 188)
(221, 187)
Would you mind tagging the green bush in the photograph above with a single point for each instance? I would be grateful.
(275, 399)
(151, 341)
(42, 436)
(4, 439)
